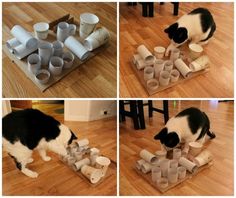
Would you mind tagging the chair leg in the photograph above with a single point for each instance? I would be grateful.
(150, 110)
(151, 9)
(166, 110)
(122, 108)
(144, 9)
(133, 110)
(141, 114)
(176, 8)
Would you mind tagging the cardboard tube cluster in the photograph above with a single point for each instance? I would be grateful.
(183, 68)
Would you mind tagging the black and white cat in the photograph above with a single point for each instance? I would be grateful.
(198, 26)
(189, 125)
(30, 129)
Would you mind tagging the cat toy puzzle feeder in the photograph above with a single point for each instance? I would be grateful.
(165, 172)
(157, 72)
(56, 48)
(88, 162)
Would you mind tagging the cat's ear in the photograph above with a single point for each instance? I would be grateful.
(161, 135)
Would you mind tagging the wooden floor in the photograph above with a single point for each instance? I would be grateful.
(217, 180)
(54, 177)
(94, 79)
(136, 30)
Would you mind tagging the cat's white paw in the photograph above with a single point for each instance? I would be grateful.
(29, 173)
(47, 158)
(30, 160)
(34, 174)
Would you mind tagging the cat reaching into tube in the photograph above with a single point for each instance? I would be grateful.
(198, 27)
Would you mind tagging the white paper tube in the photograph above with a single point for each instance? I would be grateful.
(159, 52)
(174, 75)
(83, 142)
(93, 158)
(164, 78)
(12, 43)
(145, 53)
(152, 84)
(58, 48)
(181, 172)
(76, 47)
(194, 148)
(148, 73)
(97, 39)
(164, 165)
(195, 50)
(183, 68)
(64, 30)
(68, 59)
(103, 163)
(162, 183)
(42, 76)
(41, 30)
(34, 63)
(173, 163)
(176, 153)
(93, 174)
(139, 163)
(172, 175)
(45, 51)
(161, 154)
(147, 156)
(140, 64)
(71, 160)
(78, 165)
(146, 167)
(156, 173)
(168, 66)
(56, 65)
(24, 37)
(174, 54)
(94, 151)
(199, 64)
(21, 51)
(88, 22)
(190, 166)
(136, 57)
(158, 67)
(203, 158)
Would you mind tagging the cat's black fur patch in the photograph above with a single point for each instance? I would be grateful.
(29, 126)
(18, 164)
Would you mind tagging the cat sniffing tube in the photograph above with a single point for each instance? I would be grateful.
(189, 125)
(27, 130)
(198, 26)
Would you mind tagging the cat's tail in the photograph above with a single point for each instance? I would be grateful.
(211, 134)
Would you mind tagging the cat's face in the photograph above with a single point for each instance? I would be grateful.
(168, 140)
(178, 35)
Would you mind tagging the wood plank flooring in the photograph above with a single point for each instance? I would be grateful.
(136, 30)
(54, 177)
(94, 79)
(217, 180)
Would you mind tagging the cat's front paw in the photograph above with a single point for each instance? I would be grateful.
(47, 158)
(30, 160)
(33, 174)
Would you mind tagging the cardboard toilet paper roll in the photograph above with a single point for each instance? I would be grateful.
(93, 174)
(76, 47)
(98, 38)
(148, 73)
(158, 67)
(12, 43)
(145, 53)
(164, 78)
(199, 64)
(203, 158)
(183, 68)
(139, 163)
(190, 166)
(147, 156)
(146, 167)
(136, 57)
(168, 66)
(78, 165)
(174, 54)
(159, 52)
(24, 37)
(21, 51)
(174, 75)
(152, 84)
(83, 142)
(140, 64)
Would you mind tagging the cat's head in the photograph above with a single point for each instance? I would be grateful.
(178, 35)
(66, 135)
(168, 139)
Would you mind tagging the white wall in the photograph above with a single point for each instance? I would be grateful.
(6, 107)
(89, 110)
